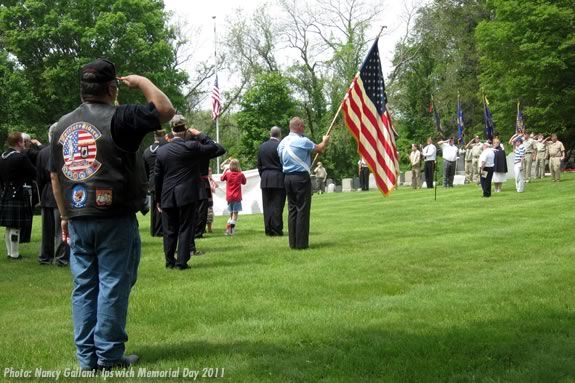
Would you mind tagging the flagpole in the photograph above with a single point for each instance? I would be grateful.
(216, 72)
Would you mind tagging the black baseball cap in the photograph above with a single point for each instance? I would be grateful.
(100, 70)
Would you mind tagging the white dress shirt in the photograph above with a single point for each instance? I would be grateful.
(429, 152)
(487, 158)
(449, 152)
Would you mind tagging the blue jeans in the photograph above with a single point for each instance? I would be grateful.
(104, 258)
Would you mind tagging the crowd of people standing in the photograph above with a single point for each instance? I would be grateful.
(485, 163)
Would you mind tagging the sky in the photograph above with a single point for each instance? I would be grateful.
(198, 16)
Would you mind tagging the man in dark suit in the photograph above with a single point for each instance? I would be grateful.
(53, 249)
(207, 202)
(178, 189)
(149, 157)
(272, 183)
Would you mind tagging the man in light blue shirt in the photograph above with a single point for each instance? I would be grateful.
(295, 153)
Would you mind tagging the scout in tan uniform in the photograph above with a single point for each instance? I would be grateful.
(529, 156)
(476, 150)
(468, 163)
(415, 160)
(540, 148)
(556, 155)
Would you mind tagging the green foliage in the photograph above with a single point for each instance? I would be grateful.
(267, 103)
(528, 53)
(440, 60)
(49, 40)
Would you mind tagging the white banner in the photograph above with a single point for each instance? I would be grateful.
(251, 194)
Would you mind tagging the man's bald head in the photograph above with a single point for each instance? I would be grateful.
(275, 132)
(296, 125)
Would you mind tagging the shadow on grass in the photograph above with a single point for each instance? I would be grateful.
(530, 348)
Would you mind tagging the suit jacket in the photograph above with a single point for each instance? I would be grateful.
(43, 178)
(149, 158)
(177, 171)
(269, 165)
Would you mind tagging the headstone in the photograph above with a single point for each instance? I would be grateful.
(459, 179)
(372, 183)
(407, 179)
(338, 189)
(355, 183)
(401, 178)
(331, 188)
(346, 184)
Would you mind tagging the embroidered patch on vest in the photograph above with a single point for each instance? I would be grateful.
(79, 197)
(79, 151)
(103, 197)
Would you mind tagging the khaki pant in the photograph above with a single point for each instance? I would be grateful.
(555, 167)
(475, 170)
(468, 171)
(415, 176)
(540, 167)
(527, 166)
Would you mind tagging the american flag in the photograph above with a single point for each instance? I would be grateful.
(366, 117)
(80, 150)
(216, 100)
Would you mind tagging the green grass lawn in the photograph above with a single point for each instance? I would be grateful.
(398, 289)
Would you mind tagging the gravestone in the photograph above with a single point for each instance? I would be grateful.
(407, 178)
(346, 184)
(331, 188)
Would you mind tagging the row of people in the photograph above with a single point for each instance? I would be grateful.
(537, 151)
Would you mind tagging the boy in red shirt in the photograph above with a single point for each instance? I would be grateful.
(234, 180)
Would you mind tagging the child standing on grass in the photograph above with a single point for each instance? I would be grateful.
(234, 180)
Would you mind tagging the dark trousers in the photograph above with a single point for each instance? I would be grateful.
(429, 172)
(202, 217)
(52, 248)
(155, 218)
(178, 225)
(364, 178)
(448, 173)
(273, 203)
(298, 191)
(486, 182)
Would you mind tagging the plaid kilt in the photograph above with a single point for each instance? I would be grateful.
(15, 213)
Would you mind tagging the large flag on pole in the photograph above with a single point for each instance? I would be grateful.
(519, 124)
(489, 124)
(216, 100)
(367, 118)
(460, 126)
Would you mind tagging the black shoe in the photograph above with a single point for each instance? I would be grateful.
(61, 263)
(170, 265)
(124, 362)
(45, 261)
(182, 267)
(196, 253)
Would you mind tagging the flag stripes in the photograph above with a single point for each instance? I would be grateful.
(216, 100)
(372, 131)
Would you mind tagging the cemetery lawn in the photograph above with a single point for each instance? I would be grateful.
(398, 289)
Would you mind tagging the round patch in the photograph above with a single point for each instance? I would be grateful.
(79, 150)
(79, 196)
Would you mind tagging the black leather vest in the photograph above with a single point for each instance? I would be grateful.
(97, 177)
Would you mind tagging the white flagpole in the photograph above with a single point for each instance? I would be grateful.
(216, 71)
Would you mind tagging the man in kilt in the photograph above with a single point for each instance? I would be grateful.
(16, 176)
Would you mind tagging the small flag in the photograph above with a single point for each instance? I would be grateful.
(489, 124)
(216, 100)
(519, 124)
(460, 126)
(367, 118)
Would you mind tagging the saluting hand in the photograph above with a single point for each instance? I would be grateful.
(132, 81)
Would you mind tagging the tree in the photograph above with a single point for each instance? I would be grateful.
(527, 53)
(267, 103)
(50, 40)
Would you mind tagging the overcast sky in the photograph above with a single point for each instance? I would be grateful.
(198, 14)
